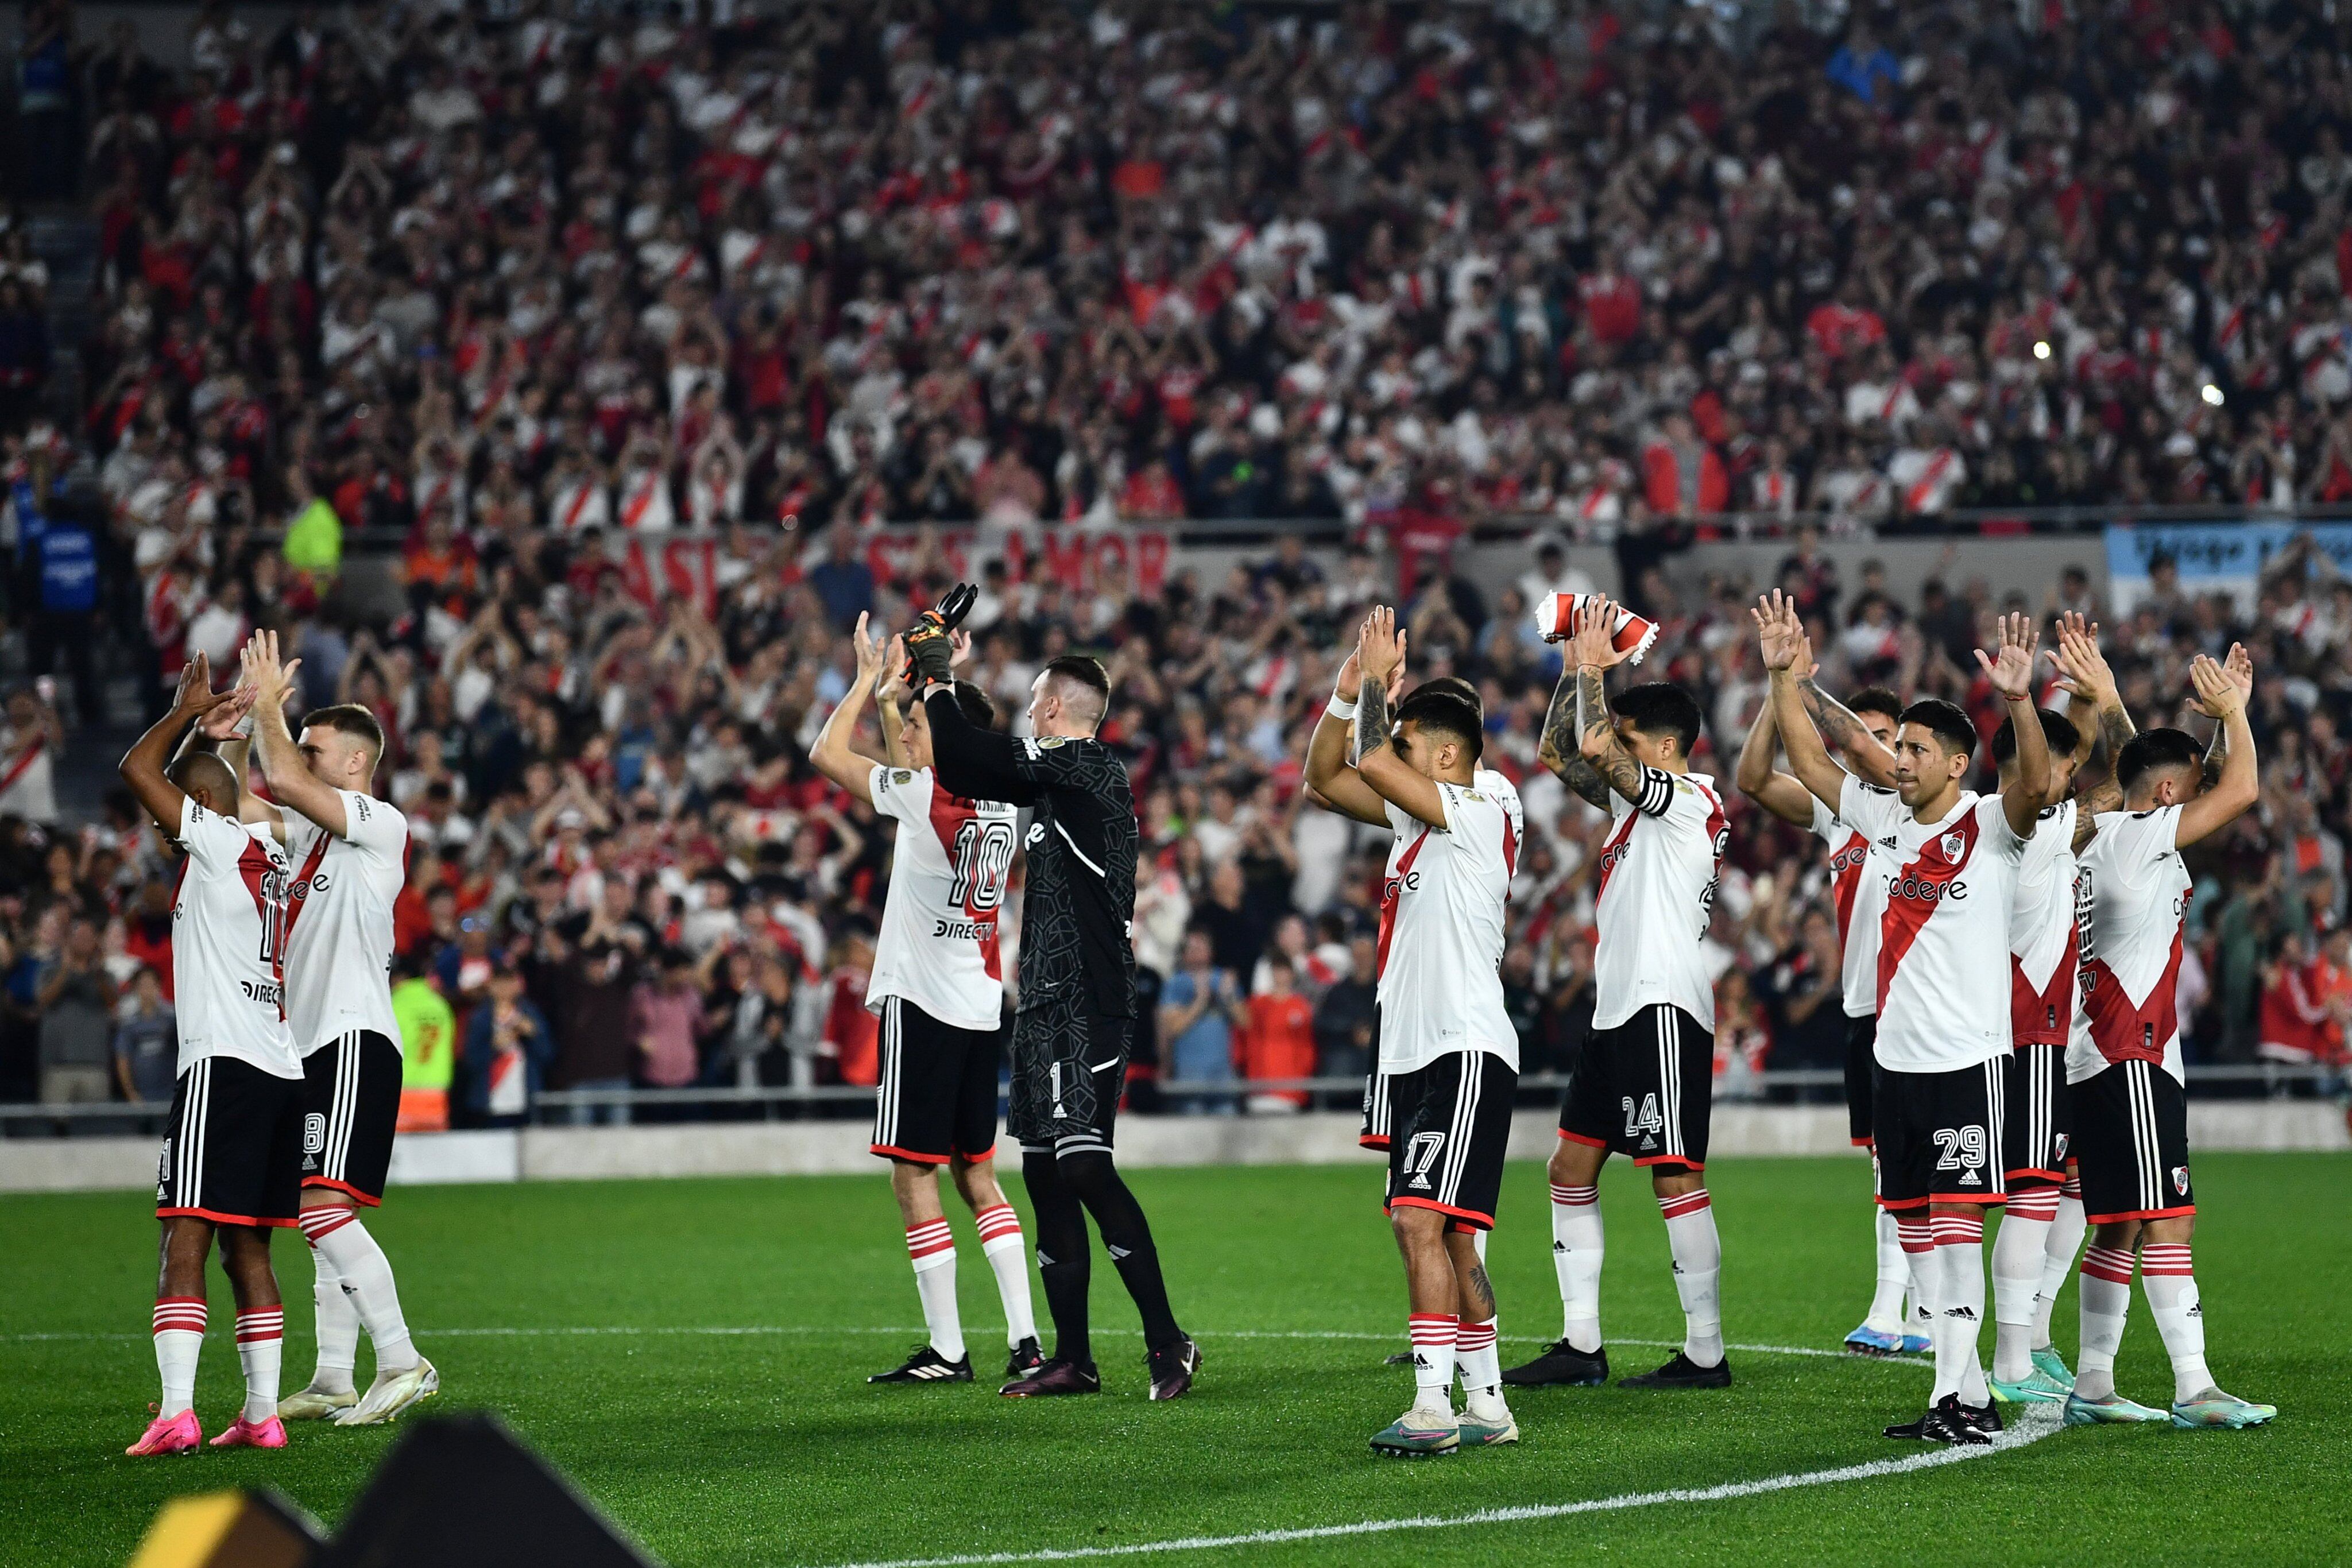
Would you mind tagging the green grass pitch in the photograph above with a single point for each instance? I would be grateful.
(767, 1447)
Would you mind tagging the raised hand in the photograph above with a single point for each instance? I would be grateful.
(2082, 671)
(2240, 667)
(2011, 670)
(1594, 644)
(1350, 679)
(893, 683)
(1779, 630)
(195, 696)
(1380, 647)
(221, 723)
(2218, 695)
(930, 644)
(869, 651)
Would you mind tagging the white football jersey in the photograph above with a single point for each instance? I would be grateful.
(338, 921)
(1442, 929)
(2136, 894)
(1943, 939)
(1658, 875)
(228, 928)
(1861, 900)
(2042, 934)
(938, 948)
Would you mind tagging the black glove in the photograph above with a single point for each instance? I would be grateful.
(930, 646)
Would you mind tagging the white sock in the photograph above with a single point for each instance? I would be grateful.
(2018, 1250)
(2171, 1291)
(179, 1339)
(1576, 1246)
(2105, 1292)
(337, 1327)
(1480, 1364)
(261, 1351)
(1432, 1336)
(1958, 1265)
(2058, 1249)
(366, 1276)
(932, 1246)
(1886, 1313)
(1000, 1244)
(1698, 1273)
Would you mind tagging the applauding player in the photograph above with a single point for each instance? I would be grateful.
(939, 989)
(1643, 1087)
(1449, 1056)
(2122, 1065)
(1951, 860)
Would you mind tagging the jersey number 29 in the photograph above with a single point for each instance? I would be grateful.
(984, 857)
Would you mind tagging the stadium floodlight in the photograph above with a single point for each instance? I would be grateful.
(2042, 351)
(2211, 394)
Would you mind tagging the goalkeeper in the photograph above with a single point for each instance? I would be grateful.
(1076, 1015)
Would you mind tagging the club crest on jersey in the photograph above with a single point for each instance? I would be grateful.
(1952, 845)
(2180, 1180)
(2063, 1139)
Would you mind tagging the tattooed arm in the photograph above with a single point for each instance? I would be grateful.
(1597, 736)
(1330, 758)
(1559, 751)
(1846, 735)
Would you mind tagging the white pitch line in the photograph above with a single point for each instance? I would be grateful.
(560, 1331)
(2030, 1428)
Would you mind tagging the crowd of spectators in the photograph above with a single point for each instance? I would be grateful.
(514, 282)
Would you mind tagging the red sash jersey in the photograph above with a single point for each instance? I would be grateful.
(2041, 941)
(2136, 892)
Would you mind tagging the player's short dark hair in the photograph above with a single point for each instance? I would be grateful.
(1457, 686)
(2057, 728)
(352, 720)
(1876, 699)
(1086, 670)
(975, 705)
(2151, 749)
(1661, 709)
(202, 771)
(1944, 720)
(1444, 713)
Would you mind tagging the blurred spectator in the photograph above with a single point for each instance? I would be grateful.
(1199, 1007)
(76, 999)
(1278, 1041)
(146, 1042)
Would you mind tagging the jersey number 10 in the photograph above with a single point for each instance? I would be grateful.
(983, 857)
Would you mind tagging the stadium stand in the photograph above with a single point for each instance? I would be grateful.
(508, 283)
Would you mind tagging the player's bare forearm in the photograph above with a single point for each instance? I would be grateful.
(1809, 759)
(2026, 795)
(2238, 788)
(288, 776)
(2216, 756)
(1339, 785)
(832, 755)
(1597, 736)
(143, 768)
(1394, 781)
(1559, 751)
(1842, 733)
(1779, 793)
(2090, 806)
(2115, 725)
(1371, 720)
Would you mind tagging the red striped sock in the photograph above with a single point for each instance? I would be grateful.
(2071, 1187)
(183, 1314)
(2034, 1203)
(929, 1239)
(1432, 1336)
(1684, 1203)
(2164, 1260)
(2112, 1264)
(261, 1349)
(261, 1322)
(1954, 1230)
(1575, 1196)
(320, 1223)
(179, 1337)
(998, 1224)
(1913, 1230)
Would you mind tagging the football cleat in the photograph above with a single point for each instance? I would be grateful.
(245, 1434)
(392, 1393)
(2115, 1410)
(1402, 1358)
(1984, 1417)
(1917, 1344)
(2052, 1365)
(1419, 1434)
(315, 1403)
(1868, 1341)
(1681, 1372)
(1024, 1359)
(2036, 1386)
(927, 1365)
(2215, 1408)
(1561, 1362)
(1949, 1421)
(1172, 1367)
(1053, 1377)
(1477, 1433)
(170, 1435)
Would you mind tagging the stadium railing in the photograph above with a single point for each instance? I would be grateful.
(2273, 1080)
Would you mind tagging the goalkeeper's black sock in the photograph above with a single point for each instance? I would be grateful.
(1126, 1236)
(1065, 1261)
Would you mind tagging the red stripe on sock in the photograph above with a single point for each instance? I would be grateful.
(2035, 1202)
(320, 1223)
(1431, 1328)
(2108, 1263)
(1575, 1196)
(183, 1314)
(264, 1323)
(925, 1240)
(1684, 1203)
(2071, 1187)
(2168, 1260)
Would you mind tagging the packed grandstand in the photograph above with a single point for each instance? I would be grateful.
(642, 343)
